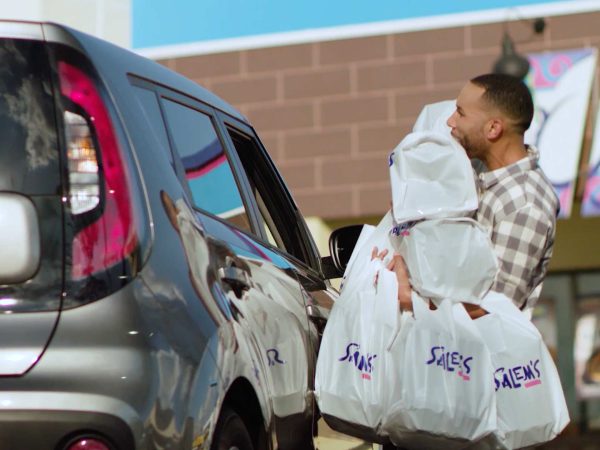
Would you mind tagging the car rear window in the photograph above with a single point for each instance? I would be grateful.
(29, 151)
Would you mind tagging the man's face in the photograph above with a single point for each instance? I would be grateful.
(469, 120)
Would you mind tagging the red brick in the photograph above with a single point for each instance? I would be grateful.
(250, 90)
(298, 174)
(353, 50)
(391, 76)
(316, 84)
(574, 26)
(374, 200)
(204, 66)
(431, 41)
(281, 117)
(317, 143)
(277, 58)
(569, 44)
(490, 35)
(463, 68)
(531, 47)
(350, 172)
(409, 105)
(327, 204)
(365, 109)
(272, 144)
(382, 138)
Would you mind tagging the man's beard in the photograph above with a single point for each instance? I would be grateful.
(474, 148)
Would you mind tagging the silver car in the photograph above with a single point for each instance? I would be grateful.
(159, 289)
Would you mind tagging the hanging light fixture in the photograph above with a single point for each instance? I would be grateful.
(511, 63)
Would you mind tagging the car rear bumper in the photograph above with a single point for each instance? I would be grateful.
(49, 421)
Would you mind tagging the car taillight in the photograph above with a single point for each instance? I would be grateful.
(84, 183)
(98, 177)
(88, 444)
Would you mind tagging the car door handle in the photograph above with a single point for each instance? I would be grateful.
(236, 278)
(318, 316)
(315, 312)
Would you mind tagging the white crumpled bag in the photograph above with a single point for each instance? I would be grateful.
(433, 117)
(351, 379)
(440, 393)
(449, 259)
(431, 177)
(530, 400)
(370, 237)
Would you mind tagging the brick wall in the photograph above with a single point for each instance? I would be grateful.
(330, 112)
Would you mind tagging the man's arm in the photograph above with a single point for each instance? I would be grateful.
(520, 240)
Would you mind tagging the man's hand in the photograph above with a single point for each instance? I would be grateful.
(474, 311)
(398, 266)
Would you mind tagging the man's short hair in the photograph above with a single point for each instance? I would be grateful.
(510, 95)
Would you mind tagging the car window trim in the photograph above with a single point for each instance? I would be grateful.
(162, 91)
(226, 121)
(241, 183)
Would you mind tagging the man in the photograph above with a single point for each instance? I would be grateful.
(517, 202)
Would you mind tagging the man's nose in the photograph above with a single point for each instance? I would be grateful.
(450, 121)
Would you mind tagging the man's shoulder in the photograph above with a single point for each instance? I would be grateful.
(529, 189)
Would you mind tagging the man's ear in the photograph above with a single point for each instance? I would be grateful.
(494, 129)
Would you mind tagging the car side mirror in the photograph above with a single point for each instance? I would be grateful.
(341, 245)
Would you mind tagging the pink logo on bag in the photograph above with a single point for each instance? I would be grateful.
(402, 229)
(451, 361)
(364, 363)
(527, 376)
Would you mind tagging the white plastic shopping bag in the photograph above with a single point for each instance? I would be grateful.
(450, 259)
(431, 177)
(370, 237)
(350, 383)
(433, 117)
(530, 399)
(441, 392)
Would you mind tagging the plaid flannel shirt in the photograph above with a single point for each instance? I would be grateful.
(518, 206)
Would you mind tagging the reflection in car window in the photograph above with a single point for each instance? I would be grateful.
(206, 166)
(29, 152)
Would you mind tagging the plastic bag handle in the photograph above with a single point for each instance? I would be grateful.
(497, 303)
(420, 305)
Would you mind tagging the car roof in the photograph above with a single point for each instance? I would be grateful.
(106, 57)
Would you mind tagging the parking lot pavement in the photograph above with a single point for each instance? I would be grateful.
(329, 439)
(586, 441)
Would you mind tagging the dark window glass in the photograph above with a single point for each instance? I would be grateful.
(29, 153)
(207, 169)
(278, 218)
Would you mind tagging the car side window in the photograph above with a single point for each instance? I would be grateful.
(278, 218)
(207, 168)
(148, 100)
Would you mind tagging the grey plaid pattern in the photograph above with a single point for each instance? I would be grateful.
(518, 206)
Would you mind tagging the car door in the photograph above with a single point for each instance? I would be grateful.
(282, 227)
(266, 301)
